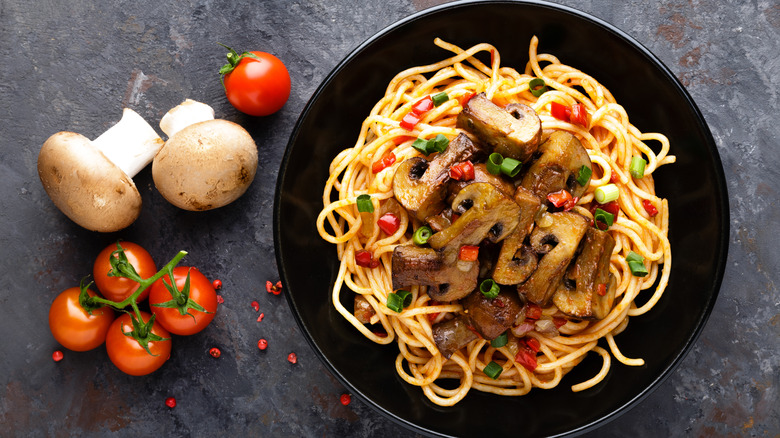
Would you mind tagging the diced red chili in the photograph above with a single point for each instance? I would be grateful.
(579, 115)
(614, 178)
(466, 98)
(468, 253)
(292, 358)
(423, 105)
(602, 290)
(533, 311)
(409, 121)
(560, 111)
(402, 139)
(345, 399)
(561, 198)
(527, 359)
(256, 306)
(610, 207)
(463, 171)
(389, 223)
(365, 259)
(432, 316)
(649, 207)
(383, 163)
(559, 322)
(532, 344)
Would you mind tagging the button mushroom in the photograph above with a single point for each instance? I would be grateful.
(206, 163)
(588, 291)
(413, 265)
(481, 174)
(450, 336)
(92, 181)
(492, 317)
(514, 131)
(421, 186)
(516, 261)
(558, 166)
(557, 244)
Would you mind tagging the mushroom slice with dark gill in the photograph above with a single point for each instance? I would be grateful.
(491, 317)
(414, 265)
(481, 174)
(557, 244)
(513, 132)
(587, 291)
(450, 336)
(516, 261)
(421, 185)
(558, 166)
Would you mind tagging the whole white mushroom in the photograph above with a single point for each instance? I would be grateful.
(206, 163)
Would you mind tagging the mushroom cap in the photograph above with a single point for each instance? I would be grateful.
(85, 185)
(206, 165)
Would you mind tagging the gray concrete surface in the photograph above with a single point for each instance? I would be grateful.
(74, 65)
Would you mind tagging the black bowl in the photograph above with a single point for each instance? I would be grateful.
(655, 101)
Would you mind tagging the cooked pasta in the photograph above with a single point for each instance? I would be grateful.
(368, 168)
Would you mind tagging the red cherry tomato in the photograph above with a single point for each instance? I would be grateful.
(128, 355)
(119, 288)
(258, 86)
(74, 327)
(201, 292)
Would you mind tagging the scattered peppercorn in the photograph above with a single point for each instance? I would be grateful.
(345, 399)
(217, 284)
(292, 358)
(170, 402)
(262, 344)
(214, 352)
(57, 355)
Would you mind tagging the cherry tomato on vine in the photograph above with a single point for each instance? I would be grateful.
(201, 292)
(128, 355)
(74, 327)
(256, 83)
(119, 288)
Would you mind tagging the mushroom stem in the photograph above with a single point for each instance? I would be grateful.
(130, 144)
(185, 114)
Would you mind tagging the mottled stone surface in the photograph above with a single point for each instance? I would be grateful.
(74, 65)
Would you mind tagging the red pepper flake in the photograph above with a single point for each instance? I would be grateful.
(292, 358)
(214, 352)
(533, 311)
(260, 318)
(409, 121)
(433, 316)
(220, 300)
(275, 289)
(217, 284)
(649, 207)
(579, 115)
(531, 343)
(559, 322)
(256, 306)
(386, 161)
(423, 105)
(262, 344)
(389, 223)
(468, 253)
(610, 207)
(562, 198)
(170, 402)
(380, 334)
(466, 98)
(614, 178)
(402, 139)
(345, 399)
(57, 355)
(463, 171)
(527, 359)
(365, 259)
(602, 289)
(560, 111)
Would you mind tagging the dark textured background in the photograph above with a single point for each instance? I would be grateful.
(75, 65)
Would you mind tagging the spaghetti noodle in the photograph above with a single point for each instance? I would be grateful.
(611, 142)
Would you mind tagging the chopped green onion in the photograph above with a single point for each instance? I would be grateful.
(604, 217)
(537, 86)
(364, 204)
(636, 265)
(637, 167)
(421, 235)
(436, 144)
(493, 164)
(500, 341)
(440, 98)
(492, 370)
(396, 301)
(607, 193)
(634, 257)
(510, 167)
(489, 288)
(584, 176)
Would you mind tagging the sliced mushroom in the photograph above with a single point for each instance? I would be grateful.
(558, 244)
(579, 294)
(492, 317)
(485, 213)
(513, 132)
(421, 185)
(558, 166)
(450, 336)
(413, 265)
(481, 174)
(516, 261)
